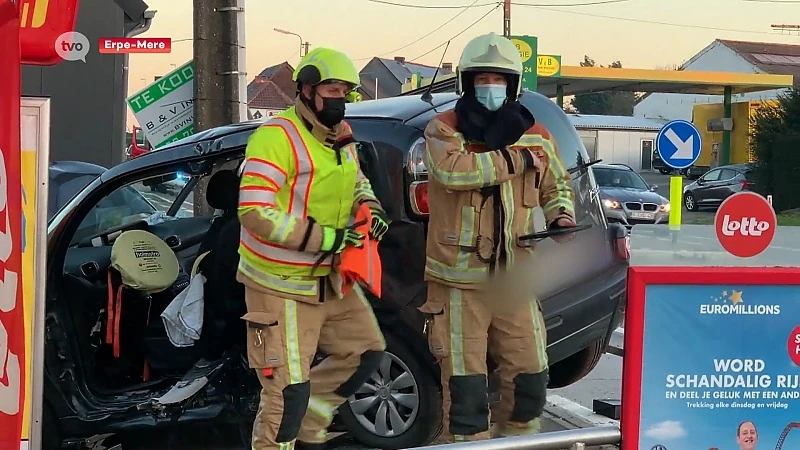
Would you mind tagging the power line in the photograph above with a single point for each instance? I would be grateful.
(653, 22)
(560, 5)
(465, 9)
(457, 35)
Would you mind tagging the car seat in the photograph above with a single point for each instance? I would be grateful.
(145, 270)
(224, 295)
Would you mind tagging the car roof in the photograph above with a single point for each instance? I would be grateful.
(613, 166)
(73, 168)
(409, 109)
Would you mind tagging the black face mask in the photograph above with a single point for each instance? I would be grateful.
(332, 111)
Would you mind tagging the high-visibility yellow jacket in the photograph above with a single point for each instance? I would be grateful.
(292, 185)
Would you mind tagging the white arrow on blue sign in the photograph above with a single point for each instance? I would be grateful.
(679, 144)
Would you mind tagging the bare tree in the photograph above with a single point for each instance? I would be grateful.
(671, 66)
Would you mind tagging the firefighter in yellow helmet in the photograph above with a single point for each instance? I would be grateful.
(301, 183)
(490, 165)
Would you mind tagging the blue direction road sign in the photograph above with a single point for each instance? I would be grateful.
(679, 144)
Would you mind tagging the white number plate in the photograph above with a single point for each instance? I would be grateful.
(642, 215)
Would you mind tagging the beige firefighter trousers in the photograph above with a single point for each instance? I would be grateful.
(297, 403)
(462, 327)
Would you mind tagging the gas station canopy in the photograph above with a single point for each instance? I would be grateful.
(575, 80)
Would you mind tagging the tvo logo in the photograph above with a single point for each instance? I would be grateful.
(746, 226)
(72, 46)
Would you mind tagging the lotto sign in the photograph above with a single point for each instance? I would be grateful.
(165, 109)
(745, 224)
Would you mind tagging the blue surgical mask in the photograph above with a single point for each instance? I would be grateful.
(492, 96)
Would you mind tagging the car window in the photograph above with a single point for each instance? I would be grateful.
(547, 113)
(616, 178)
(60, 192)
(727, 174)
(134, 202)
(712, 176)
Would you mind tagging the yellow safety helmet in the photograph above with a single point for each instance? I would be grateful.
(325, 64)
(490, 53)
(354, 97)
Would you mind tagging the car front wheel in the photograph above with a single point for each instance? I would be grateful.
(690, 202)
(665, 171)
(399, 406)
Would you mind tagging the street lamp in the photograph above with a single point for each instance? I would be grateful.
(302, 44)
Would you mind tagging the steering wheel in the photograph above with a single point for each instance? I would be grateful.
(105, 236)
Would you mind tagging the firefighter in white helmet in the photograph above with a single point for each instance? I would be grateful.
(490, 165)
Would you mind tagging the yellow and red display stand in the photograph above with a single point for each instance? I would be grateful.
(28, 32)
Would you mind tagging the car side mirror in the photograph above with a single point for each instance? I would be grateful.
(653, 187)
(700, 181)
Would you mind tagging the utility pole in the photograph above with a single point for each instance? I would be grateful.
(507, 18)
(216, 73)
(305, 46)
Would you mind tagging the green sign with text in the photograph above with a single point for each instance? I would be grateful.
(527, 47)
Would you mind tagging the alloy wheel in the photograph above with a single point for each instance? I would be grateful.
(388, 403)
(689, 202)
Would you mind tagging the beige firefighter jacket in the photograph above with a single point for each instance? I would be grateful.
(462, 220)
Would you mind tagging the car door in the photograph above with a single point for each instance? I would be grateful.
(723, 187)
(706, 185)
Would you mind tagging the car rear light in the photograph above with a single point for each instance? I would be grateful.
(418, 197)
(416, 159)
(622, 241)
(623, 247)
(746, 184)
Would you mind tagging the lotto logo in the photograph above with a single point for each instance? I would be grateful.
(745, 224)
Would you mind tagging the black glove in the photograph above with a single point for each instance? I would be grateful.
(509, 123)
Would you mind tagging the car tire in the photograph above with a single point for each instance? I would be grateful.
(572, 369)
(421, 418)
(664, 171)
(689, 202)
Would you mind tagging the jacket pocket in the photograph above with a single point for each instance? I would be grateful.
(264, 340)
(437, 329)
(531, 182)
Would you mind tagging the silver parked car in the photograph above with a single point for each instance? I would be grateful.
(627, 198)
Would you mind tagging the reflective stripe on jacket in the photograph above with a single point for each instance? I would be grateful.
(288, 178)
(462, 220)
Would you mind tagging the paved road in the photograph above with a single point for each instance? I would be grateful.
(207, 437)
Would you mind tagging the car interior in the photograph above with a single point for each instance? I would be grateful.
(145, 353)
(93, 288)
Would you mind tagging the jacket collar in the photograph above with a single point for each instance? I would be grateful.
(327, 136)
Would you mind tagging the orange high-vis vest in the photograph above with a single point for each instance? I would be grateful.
(362, 265)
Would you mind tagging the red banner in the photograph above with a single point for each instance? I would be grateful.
(41, 23)
(12, 323)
